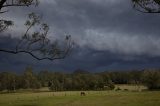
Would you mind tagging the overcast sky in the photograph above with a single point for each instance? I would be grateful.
(109, 35)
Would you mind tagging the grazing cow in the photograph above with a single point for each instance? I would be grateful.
(83, 94)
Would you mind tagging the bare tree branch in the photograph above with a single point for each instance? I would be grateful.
(30, 53)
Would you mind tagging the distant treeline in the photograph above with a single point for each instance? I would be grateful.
(78, 80)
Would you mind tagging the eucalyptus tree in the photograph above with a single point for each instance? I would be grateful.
(147, 6)
(35, 43)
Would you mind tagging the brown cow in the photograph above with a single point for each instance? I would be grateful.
(83, 94)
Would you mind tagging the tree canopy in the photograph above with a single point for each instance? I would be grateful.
(147, 6)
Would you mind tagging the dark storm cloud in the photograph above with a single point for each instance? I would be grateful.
(107, 25)
(109, 34)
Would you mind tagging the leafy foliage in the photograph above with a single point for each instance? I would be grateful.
(151, 79)
(147, 6)
(57, 81)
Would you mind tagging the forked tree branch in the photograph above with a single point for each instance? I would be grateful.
(34, 56)
(37, 44)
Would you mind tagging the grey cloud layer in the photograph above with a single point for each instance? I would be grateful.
(107, 25)
(103, 25)
(109, 33)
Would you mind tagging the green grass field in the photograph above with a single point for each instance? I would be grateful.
(73, 98)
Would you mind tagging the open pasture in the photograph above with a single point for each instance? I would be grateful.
(73, 98)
